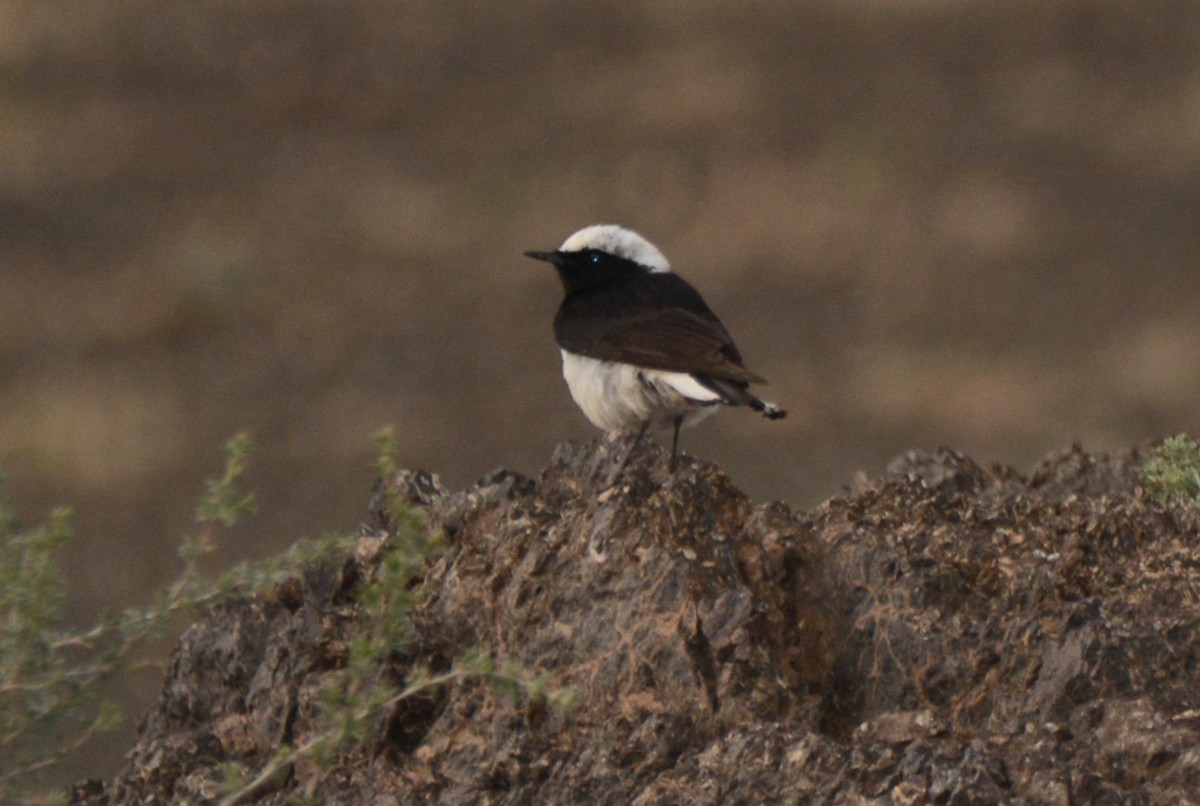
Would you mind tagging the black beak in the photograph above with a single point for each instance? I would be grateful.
(549, 257)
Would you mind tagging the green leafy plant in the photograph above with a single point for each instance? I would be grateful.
(49, 672)
(1173, 473)
(43, 689)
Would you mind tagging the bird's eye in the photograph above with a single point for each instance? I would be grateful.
(595, 258)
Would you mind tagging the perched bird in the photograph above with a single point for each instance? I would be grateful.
(640, 348)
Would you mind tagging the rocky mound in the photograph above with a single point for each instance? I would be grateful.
(946, 633)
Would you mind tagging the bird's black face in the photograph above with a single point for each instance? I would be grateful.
(587, 268)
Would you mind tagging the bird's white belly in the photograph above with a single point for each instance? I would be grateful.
(619, 396)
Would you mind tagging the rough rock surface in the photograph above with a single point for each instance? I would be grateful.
(946, 633)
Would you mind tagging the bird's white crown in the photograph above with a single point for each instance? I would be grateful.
(617, 241)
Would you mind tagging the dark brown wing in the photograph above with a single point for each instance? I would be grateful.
(669, 339)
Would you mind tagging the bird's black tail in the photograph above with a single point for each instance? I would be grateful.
(735, 393)
(768, 410)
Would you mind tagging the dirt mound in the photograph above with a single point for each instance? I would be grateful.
(946, 633)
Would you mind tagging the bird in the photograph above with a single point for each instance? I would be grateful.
(640, 347)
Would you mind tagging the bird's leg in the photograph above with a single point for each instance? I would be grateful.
(629, 454)
(675, 443)
(633, 446)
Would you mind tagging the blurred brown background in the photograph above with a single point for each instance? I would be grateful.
(962, 223)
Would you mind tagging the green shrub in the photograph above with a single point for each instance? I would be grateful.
(49, 672)
(1173, 473)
